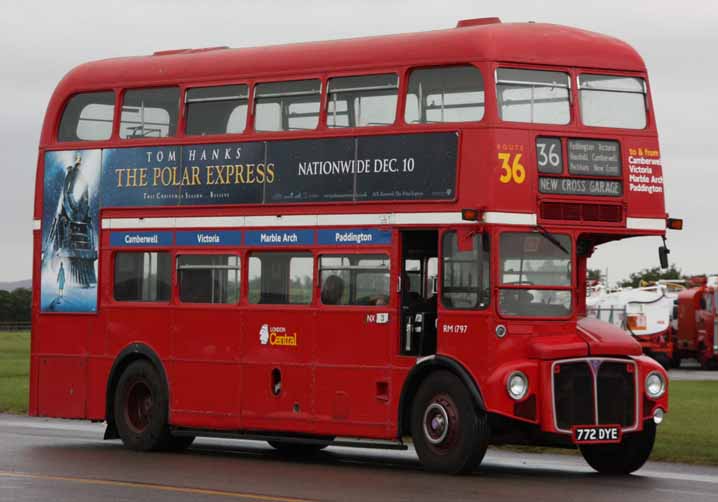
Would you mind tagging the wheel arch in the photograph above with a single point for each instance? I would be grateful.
(419, 373)
(130, 354)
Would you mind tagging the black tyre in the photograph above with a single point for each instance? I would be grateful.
(663, 360)
(625, 457)
(676, 360)
(298, 449)
(450, 435)
(140, 407)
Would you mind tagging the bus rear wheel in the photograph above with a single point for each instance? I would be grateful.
(140, 410)
(450, 435)
(625, 457)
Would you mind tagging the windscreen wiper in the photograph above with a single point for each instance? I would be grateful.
(552, 239)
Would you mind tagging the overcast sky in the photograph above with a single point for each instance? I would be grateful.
(41, 41)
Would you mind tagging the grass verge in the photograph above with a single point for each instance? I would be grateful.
(14, 371)
(687, 434)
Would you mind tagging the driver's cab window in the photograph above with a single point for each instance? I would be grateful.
(465, 271)
(535, 271)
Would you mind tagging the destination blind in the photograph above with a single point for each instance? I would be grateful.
(590, 157)
(579, 186)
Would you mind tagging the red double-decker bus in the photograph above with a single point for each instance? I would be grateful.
(349, 241)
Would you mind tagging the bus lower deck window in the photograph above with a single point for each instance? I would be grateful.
(533, 96)
(149, 113)
(447, 94)
(208, 278)
(612, 101)
(280, 278)
(88, 117)
(358, 279)
(465, 274)
(142, 276)
(217, 110)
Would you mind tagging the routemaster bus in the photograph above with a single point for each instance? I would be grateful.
(349, 242)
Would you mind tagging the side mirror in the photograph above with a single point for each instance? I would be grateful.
(663, 252)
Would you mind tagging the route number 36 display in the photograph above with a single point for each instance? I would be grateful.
(512, 169)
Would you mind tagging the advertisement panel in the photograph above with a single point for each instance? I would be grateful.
(70, 230)
(392, 167)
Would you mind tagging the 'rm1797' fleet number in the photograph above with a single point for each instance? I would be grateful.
(455, 328)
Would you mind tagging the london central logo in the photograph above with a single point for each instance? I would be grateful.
(276, 336)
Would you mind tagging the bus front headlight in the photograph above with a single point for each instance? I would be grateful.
(655, 385)
(517, 385)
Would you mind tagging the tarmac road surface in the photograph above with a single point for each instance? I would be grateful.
(693, 375)
(691, 370)
(62, 461)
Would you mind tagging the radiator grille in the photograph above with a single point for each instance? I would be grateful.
(579, 386)
(571, 211)
(573, 394)
(616, 394)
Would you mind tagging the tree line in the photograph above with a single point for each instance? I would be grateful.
(645, 276)
(15, 305)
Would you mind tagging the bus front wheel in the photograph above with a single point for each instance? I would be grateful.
(140, 409)
(450, 435)
(623, 458)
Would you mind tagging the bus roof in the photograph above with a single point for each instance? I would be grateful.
(472, 40)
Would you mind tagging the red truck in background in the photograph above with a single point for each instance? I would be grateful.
(695, 324)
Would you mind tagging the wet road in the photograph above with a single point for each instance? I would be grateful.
(693, 375)
(691, 370)
(67, 461)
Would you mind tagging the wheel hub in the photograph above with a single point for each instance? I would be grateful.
(436, 423)
(139, 406)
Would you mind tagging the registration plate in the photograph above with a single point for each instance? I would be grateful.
(596, 434)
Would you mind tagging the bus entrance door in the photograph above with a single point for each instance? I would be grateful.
(417, 289)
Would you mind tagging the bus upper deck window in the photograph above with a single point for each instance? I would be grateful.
(533, 96)
(217, 110)
(612, 101)
(368, 100)
(87, 117)
(449, 94)
(149, 113)
(287, 106)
